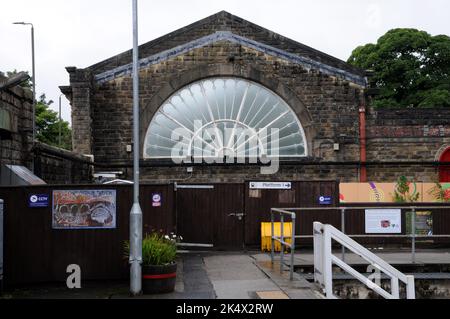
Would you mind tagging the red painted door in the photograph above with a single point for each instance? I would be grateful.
(444, 170)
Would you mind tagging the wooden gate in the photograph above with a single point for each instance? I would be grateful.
(258, 203)
(210, 215)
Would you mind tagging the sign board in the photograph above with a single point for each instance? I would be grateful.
(270, 185)
(81, 209)
(325, 200)
(424, 223)
(38, 200)
(383, 221)
(156, 199)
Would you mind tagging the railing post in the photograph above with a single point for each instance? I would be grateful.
(318, 252)
(343, 231)
(282, 240)
(410, 287)
(272, 240)
(327, 263)
(413, 238)
(394, 288)
(291, 270)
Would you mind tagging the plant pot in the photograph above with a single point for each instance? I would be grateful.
(159, 279)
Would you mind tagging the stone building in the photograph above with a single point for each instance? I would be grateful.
(228, 73)
(53, 165)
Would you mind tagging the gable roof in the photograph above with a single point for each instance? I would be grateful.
(225, 26)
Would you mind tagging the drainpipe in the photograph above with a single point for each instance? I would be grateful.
(362, 138)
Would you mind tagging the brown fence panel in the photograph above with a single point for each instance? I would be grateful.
(35, 252)
(355, 223)
(302, 194)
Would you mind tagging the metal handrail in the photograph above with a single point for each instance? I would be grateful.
(324, 259)
(281, 240)
(342, 209)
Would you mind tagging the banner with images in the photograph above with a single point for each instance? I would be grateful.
(372, 192)
(75, 209)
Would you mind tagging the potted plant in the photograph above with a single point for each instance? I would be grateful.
(159, 265)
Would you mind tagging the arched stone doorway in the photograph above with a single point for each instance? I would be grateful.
(444, 170)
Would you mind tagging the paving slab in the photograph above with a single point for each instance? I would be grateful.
(236, 276)
(298, 288)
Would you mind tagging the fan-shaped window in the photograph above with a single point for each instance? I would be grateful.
(221, 116)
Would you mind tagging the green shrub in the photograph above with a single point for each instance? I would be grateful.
(156, 249)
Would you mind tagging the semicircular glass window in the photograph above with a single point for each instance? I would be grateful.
(220, 117)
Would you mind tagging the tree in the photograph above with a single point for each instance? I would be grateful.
(410, 68)
(47, 125)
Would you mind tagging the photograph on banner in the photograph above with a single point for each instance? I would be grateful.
(424, 223)
(383, 221)
(73, 209)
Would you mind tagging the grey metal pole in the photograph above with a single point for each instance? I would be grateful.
(272, 240)
(281, 243)
(291, 270)
(59, 128)
(33, 79)
(136, 212)
(413, 239)
(34, 87)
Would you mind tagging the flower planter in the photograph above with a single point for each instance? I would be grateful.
(159, 279)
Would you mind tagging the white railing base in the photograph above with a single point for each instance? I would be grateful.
(324, 260)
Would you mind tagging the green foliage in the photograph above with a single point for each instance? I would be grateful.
(402, 191)
(156, 249)
(47, 125)
(410, 68)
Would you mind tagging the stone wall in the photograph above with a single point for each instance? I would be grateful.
(15, 145)
(58, 166)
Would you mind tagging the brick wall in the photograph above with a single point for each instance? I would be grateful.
(407, 135)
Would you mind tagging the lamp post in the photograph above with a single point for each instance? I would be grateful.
(33, 76)
(136, 212)
(59, 124)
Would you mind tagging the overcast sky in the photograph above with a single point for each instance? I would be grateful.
(82, 32)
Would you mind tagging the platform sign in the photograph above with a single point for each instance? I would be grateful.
(156, 199)
(270, 185)
(38, 200)
(383, 221)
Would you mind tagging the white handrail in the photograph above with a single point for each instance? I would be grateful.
(324, 259)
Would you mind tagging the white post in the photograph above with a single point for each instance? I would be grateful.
(136, 213)
(410, 287)
(394, 288)
(327, 263)
(318, 253)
